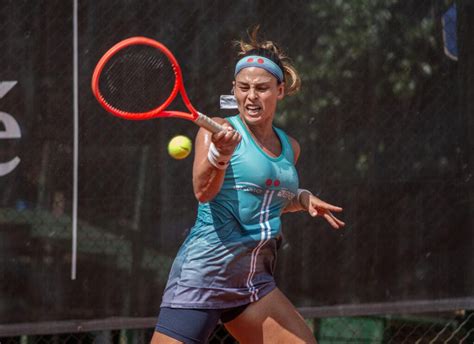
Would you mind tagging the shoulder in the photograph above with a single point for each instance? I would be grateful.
(296, 147)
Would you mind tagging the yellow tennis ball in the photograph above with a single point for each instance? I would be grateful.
(179, 147)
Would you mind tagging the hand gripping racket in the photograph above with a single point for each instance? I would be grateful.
(138, 78)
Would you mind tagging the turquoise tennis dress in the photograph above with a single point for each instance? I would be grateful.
(229, 256)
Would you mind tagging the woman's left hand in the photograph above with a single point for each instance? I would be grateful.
(317, 207)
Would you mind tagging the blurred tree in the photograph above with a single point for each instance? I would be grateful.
(369, 67)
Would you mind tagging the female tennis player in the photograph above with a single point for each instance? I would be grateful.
(244, 178)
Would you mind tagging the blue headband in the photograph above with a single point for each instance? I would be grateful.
(260, 62)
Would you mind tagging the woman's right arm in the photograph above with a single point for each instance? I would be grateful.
(207, 178)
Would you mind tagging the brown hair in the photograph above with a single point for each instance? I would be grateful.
(292, 78)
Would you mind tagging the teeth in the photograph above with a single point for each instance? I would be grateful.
(253, 109)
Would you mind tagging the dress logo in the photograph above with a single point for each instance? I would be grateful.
(258, 190)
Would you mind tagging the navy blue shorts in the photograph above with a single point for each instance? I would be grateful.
(193, 326)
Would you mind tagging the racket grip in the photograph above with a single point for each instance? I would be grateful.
(207, 123)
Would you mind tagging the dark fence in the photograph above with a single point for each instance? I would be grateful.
(447, 327)
(384, 118)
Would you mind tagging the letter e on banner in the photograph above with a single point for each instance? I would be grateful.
(12, 131)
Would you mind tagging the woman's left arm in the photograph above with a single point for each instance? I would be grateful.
(306, 201)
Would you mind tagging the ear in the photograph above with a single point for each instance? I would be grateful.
(233, 87)
(281, 91)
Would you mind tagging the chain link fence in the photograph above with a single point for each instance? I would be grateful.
(384, 119)
(448, 327)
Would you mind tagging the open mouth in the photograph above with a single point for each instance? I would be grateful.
(253, 110)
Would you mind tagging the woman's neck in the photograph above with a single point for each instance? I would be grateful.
(263, 132)
(264, 135)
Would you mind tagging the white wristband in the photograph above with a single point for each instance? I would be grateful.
(299, 192)
(217, 159)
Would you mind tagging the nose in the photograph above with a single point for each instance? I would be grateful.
(252, 93)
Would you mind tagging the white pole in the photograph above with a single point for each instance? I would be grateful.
(76, 140)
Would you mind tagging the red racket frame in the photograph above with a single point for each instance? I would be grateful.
(160, 110)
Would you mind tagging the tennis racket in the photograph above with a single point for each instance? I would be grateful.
(138, 78)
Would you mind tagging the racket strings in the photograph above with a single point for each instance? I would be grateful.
(137, 79)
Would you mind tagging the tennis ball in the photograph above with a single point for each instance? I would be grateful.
(179, 147)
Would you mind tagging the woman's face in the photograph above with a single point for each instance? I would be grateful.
(257, 93)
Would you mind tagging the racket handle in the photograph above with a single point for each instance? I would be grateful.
(207, 123)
